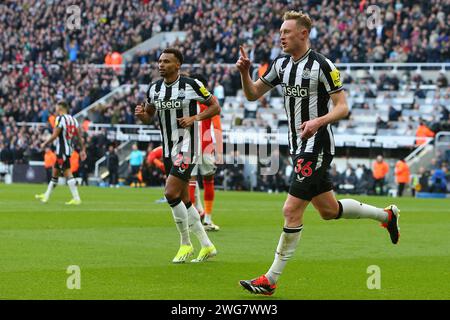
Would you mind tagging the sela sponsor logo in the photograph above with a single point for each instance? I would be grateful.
(296, 91)
(168, 104)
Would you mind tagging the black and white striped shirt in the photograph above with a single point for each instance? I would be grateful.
(69, 130)
(177, 100)
(307, 84)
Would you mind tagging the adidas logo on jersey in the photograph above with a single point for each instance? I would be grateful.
(296, 91)
(168, 104)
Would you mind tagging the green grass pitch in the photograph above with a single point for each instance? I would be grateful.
(123, 243)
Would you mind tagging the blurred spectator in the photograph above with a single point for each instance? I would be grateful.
(349, 180)
(49, 162)
(112, 163)
(219, 93)
(84, 172)
(380, 170)
(439, 180)
(442, 81)
(394, 114)
(85, 124)
(335, 178)
(402, 176)
(75, 163)
(234, 171)
(381, 124)
(365, 183)
(444, 116)
(422, 133)
(424, 177)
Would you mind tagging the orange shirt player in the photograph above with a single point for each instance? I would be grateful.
(207, 168)
(154, 158)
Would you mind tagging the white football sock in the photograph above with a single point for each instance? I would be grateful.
(196, 226)
(51, 185)
(352, 209)
(207, 218)
(72, 183)
(286, 247)
(198, 200)
(180, 216)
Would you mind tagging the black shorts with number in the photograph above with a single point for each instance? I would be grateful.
(310, 177)
(179, 167)
(62, 163)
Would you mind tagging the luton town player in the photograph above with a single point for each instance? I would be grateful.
(174, 98)
(309, 80)
(211, 150)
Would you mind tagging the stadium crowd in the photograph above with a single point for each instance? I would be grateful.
(44, 60)
(105, 26)
(20, 144)
(48, 58)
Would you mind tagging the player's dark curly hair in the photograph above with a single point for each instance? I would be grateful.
(177, 53)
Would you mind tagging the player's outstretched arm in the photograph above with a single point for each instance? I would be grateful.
(340, 111)
(252, 90)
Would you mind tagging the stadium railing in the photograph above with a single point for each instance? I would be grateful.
(442, 144)
(144, 133)
(122, 151)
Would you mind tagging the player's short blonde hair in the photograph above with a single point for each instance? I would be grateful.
(302, 19)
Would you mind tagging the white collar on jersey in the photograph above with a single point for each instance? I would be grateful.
(172, 83)
(302, 58)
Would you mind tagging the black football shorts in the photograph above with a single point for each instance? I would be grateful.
(179, 167)
(310, 177)
(62, 163)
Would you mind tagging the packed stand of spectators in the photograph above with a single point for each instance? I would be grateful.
(43, 60)
(38, 37)
(359, 180)
(120, 109)
(20, 144)
(30, 93)
(435, 176)
(47, 32)
(409, 31)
